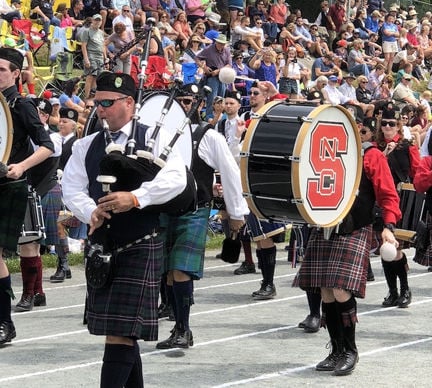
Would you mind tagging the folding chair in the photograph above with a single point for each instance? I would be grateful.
(5, 30)
(33, 38)
(43, 77)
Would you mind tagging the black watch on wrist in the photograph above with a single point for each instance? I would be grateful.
(390, 227)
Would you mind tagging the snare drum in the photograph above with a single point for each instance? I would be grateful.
(6, 131)
(33, 228)
(301, 163)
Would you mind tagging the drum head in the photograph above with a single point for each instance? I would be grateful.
(6, 130)
(327, 175)
(150, 112)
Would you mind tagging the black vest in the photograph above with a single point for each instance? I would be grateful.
(361, 213)
(399, 162)
(125, 227)
(202, 172)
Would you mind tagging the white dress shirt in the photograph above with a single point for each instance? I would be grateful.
(167, 184)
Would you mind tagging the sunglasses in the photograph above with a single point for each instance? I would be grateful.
(363, 82)
(364, 131)
(404, 117)
(258, 22)
(253, 93)
(392, 124)
(89, 106)
(186, 101)
(106, 103)
(126, 10)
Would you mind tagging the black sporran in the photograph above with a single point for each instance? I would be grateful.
(99, 267)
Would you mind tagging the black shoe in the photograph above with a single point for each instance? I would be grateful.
(329, 363)
(405, 299)
(302, 324)
(164, 311)
(391, 299)
(346, 363)
(68, 274)
(167, 344)
(370, 277)
(39, 300)
(25, 304)
(219, 256)
(312, 324)
(59, 276)
(7, 332)
(263, 286)
(268, 292)
(245, 268)
(183, 339)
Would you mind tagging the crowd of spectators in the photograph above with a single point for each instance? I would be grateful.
(379, 54)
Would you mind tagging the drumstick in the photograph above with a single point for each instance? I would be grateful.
(243, 77)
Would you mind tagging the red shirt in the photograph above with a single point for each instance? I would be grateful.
(423, 177)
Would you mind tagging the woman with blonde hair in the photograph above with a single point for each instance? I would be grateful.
(183, 28)
(200, 29)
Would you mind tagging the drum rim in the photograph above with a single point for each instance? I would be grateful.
(295, 167)
(244, 162)
(8, 128)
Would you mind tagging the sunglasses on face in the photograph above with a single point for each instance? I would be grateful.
(106, 103)
(253, 93)
(392, 124)
(364, 131)
(89, 106)
(186, 101)
(404, 117)
(126, 10)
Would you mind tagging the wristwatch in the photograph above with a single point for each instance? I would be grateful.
(390, 227)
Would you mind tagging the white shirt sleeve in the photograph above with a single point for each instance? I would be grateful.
(214, 151)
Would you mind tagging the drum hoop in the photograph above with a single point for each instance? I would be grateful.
(244, 162)
(295, 170)
(8, 127)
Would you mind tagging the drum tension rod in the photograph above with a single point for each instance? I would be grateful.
(283, 157)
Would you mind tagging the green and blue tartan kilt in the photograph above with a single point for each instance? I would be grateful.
(51, 205)
(185, 239)
(13, 203)
(339, 262)
(127, 307)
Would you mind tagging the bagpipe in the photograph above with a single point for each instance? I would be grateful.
(126, 168)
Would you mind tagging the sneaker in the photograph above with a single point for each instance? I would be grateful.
(269, 292)
(245, 268)
(25, 304)
(7, 332)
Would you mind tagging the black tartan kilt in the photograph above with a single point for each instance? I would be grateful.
(13, 204)
(127, 307)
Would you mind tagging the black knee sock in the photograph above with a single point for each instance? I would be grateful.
(171, 300)
(118, 362)
(136, 379)
(400, 267)
(183, 293)
(314, 301)
(268, 257)
(6, 295)
(348, 315)
(163, 290)
(390, 275)
(331, 320)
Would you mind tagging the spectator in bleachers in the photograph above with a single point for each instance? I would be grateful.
(107, 11)
(358, 62)
(138, 14)
(372, 21)
(151, 8)
(390, 34)
(375, 77)
(235, 8)
(62, 14)
(319, 45)
(168, 47)
(325, 66)
(291, 73)
(76, 13)
(119, 39)
(269, 26)
(403, 93)
(125, 17)
(42, 9)
(183, 28)
(241, 69)
(195, 11)
(92, 7)
(279, 11)
(336, 18)
(164, 20)
(385, 90)
(301, 31)
(245, 32)
(263, 62)
(364, 96)
(7, 12)
(200, 29)
(360, 23)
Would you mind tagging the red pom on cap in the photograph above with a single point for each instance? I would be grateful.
(47, 94)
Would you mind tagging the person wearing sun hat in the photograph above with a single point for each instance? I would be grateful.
(212, 59)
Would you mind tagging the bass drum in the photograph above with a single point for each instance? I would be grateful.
(301, 163)
(151, 107)
(6, 130)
